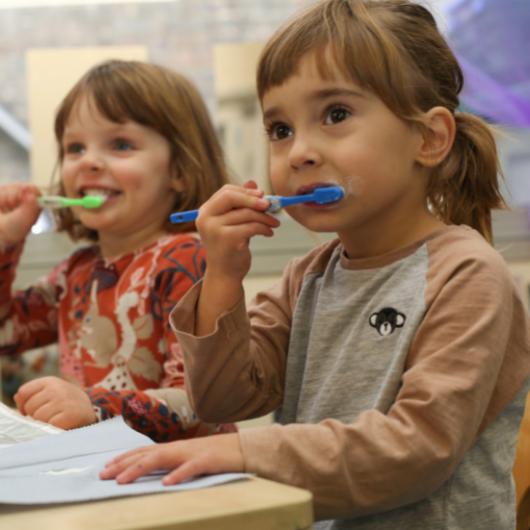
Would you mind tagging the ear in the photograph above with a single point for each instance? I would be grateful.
(438, 136)
(177, 184)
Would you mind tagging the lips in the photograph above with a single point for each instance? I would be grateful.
(309, 188)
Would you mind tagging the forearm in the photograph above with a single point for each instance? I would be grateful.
(157, 416)
(371, 466)
(27, 317)
(218, 295)
(234, 373)
(9, 258)
(139, 410)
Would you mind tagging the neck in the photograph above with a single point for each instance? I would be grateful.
(112, 245)
(391, 236)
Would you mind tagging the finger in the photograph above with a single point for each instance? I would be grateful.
(63, 419)
(130, 460)
(250, 185)
(59, 419)
(233, 199)
(240, 236)
(127, 455)
(36, 401)
(246, 215)
(45, 412)
(29, 193)
(117, 465)
(187, 470)
(25, 392)
(31, 387)
(141, 467)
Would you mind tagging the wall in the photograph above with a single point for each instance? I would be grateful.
(179, 34)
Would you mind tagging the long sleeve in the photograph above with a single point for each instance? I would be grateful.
(120, 345)
(449, 394)
(28, 318)
(467, 360)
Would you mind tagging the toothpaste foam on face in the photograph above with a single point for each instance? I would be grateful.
(352, 185)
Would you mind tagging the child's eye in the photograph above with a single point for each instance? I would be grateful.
(336, 114)
(120, 144)
(278, 131)
(74, 148)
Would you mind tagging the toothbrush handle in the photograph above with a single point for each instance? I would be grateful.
(295, 199)
(184, 217)
(277, 203)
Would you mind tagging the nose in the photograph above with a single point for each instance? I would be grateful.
(303, 153)
(91, 161)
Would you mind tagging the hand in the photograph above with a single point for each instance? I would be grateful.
(55, 401)
(18, 212)
(227, 221)
(219, 453)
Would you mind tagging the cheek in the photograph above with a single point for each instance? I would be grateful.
(354, 186)
(277, 173)
(67, 177)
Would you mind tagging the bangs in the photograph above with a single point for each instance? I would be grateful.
(352, 40)
(117, 94)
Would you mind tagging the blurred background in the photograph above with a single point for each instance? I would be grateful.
(46, 45)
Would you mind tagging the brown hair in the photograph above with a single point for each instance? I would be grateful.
(394, 49)
(164, 100)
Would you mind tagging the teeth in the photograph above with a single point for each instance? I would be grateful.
(97, 192)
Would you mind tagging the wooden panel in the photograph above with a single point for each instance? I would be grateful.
(50, 75)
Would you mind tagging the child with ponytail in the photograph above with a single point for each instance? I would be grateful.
(396, 357)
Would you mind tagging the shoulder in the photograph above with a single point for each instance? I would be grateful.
(460, 255)
(459, 245)
(82, 256)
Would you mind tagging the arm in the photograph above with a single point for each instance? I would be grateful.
(226, 223)
(469, 358)
(159, 407)
(26, 317)
(237, 372)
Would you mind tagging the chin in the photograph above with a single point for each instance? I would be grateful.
(318, 226)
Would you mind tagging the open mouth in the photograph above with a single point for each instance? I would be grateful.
(98, 192)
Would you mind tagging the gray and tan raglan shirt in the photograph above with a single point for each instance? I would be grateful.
(398, 382)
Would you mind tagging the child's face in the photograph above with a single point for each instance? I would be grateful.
(333, 132)
(127, 162)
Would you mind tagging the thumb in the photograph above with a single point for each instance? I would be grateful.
(250, 185)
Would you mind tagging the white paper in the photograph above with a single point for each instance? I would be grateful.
(14, 427)
(65, 467)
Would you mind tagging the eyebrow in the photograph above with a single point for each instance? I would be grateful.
(318, 95)
(115, 128)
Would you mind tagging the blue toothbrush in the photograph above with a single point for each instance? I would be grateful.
(322, 195)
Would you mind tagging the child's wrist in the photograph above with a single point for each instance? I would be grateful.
(226, 287)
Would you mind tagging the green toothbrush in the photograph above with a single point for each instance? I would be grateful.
(56, 201)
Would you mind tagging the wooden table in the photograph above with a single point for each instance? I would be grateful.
(253, 504)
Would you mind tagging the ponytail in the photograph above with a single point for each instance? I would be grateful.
(465, 187)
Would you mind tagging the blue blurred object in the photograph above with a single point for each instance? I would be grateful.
(490, 39)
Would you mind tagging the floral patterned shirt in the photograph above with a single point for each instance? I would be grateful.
(110, 319)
